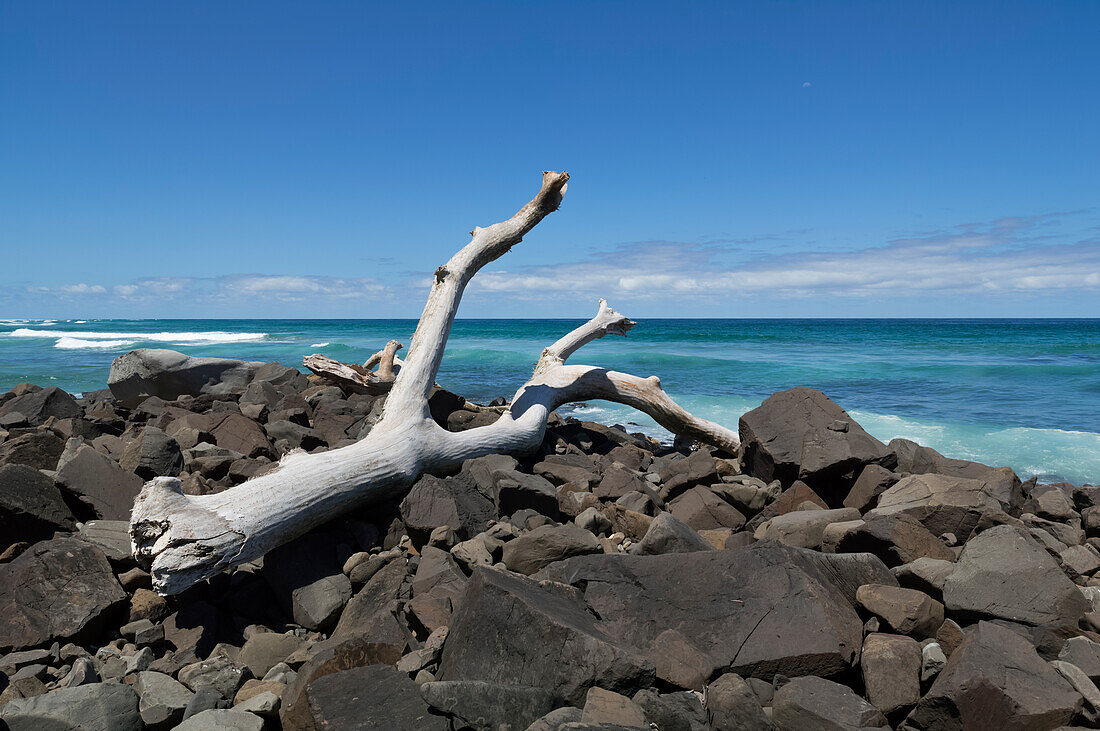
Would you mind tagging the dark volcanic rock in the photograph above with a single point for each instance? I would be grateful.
(455, 501)
(799, 434)
(994, 679)
(373, 697)
(1005, 573)
(31, 508)
(369, 614)
(891, 666)
(97, 481)
(307, 578)
(168, 374)
(943, 504)
(505, 624)
(756, 611)
(906, 611)
(816, 704)
(732, 706)
(531, 551)
(896, 539)
(56, 590)
(666, 534)
(152, 454)
(918, 460)
(37, 406)
(39, 449)
(703, 510)
(873, 480)
(92, 707)
(489, 706)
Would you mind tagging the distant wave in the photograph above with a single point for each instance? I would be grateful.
(77, 343)
(189, 338)
(320, 345)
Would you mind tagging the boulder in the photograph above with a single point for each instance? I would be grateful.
(152, 454)
(1084, 653)
(308, 579)
(372, 697)
(163, 699)
(606, 707)
(701, 509)
(906, 611)
(265, 650)
(666, 534)
(891, 667)
(804, 528)
(38, 449)
(896, 539)
(925, 574)
(546, 544)
(38, 406)
(240, 434)
(368, 615)
(1005, 573)
(732, 706)
(679, 475)
(873, 480)
(437, 588)
(994, 679)
(942, 504)
(788, 501)
(56, 590)
(799, 434)
(519, 491)
(918, 460)
(816, 704)
(92, 707)
(759, 610)
(222, 719)
(97, 481)
(618, 481)
(31, 508)
(456, 502)
(676, 711)
(110, 536)
(168, 374)
(500, 633)
(488, 706)
(218, 672)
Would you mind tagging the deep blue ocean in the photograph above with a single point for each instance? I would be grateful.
(1022, 393)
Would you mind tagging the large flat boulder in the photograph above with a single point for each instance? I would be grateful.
(168, 374)
(942, 503)
(92, 707)
(56, 590)
(457, 502)
(37, 406)
(995, 679)
(918, 460)
(31, 508)
(97, 481)
(1005, 573)
(799, 434)
(371, 697)
(756, 611)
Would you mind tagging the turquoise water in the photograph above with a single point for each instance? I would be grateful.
(1022, 393)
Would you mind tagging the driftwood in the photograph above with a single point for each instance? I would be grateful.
(356, 378)
(184, 539)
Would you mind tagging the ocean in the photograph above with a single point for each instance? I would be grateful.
(1021, 393)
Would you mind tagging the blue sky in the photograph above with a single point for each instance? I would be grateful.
(266, 159)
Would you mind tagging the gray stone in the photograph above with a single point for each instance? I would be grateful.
(666, 534)
(535, 549)
(942, 503)
(608, 707)
(97, 480)
(163, 699)
(152, 454)
(372, 697)
(110, 536)
(677, 711)
(136, 375)
(732, 706)
(891, 666)
(308, 580)
(906, 611)
(1004, 573)
(217, 719)
(917, 460)
(489, 706)
(38, 406)
(31, 508)
(1084, 653)
(816, 704)
(218, 672)
(264, 651)
(556, 719)
(93, 707)
(701, 509)
(456, 502)
(803, 528)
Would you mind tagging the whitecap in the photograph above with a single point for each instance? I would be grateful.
(320, 345)
(78, 343)
(191, 338)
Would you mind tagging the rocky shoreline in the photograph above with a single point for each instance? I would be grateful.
(819, 579)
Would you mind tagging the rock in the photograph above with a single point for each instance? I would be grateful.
(618, 481)
(891, 666)
(373, 697)
(932, 661)
(31, 508)
(535, 549)
(82, 673)
(816, 704)
(917, 460)
(38, 406)
(163, 699)
(1080, 561)
(608, 707)
(788, 438)
(472, 553)
(562, 468)
(1004, 573)
(144, 604)
(943, 504)
(218, 672)
(205, 699)
(264, 704)
(488, 706)
(517, 491)
(995, 680)
(97, 481)
(896, 540)
(238, 433)
(804, 528)
(732, 706)
(92, 707)
(873, 480)
(593, 521)
(56, 590)
(307, 578)
(110, 536)
(701, 509)
(264, 651)
(152, 454)
(369, 614)
(218, 719)
(678, 711)
(39, 450)
(1084, 653)
(455, 501)
(679, 475)
(136, 375)
(504, 622)
(788, 501)
(437, 588)
(769, 609)
(906, 611)
(1080, 682)
(925, 574)
(666, 534)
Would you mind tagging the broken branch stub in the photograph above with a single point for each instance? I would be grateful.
(184, 539)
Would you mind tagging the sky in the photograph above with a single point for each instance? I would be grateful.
(779, 159)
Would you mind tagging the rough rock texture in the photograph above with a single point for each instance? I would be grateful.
(915, 459)
(799, 434)
(816, 704)
(666, 534)
(92, 707)
(943, 504)
(994, 679)
(489, 706)
(896, 539)
(531, 551)
(891, 667)
(456, 502)
(31, 508)
(906, 611)
(97, 481)
(56, 590)
(732, 706)
(168, 374)
(1005, 573)
(38, 406)
(372, 697)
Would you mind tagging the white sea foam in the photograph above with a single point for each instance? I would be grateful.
(192, 338)
(320, 345)
(78, 343)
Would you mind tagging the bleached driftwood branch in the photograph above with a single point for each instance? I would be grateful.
(356, 378)
(187, 538)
